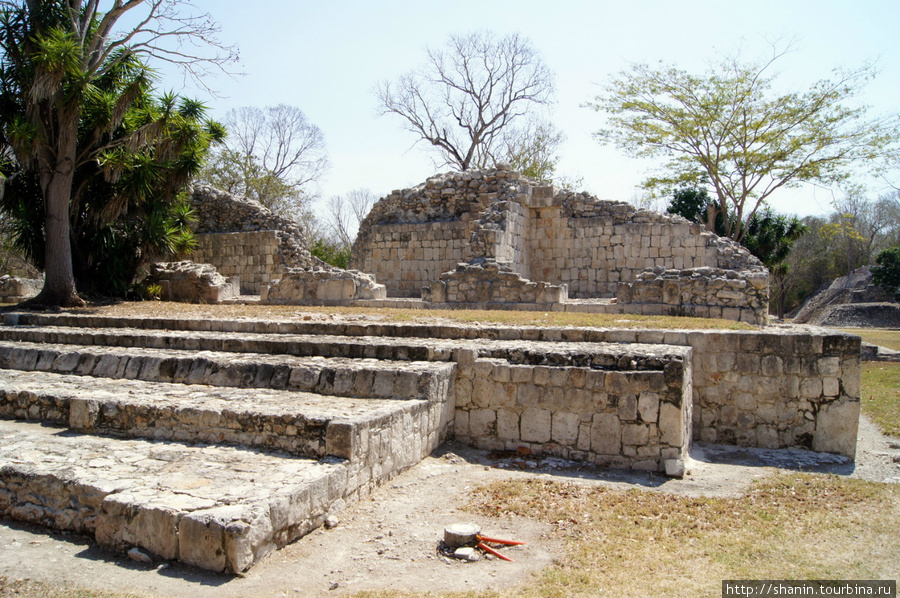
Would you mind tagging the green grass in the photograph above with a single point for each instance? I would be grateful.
(881, 395)
(883, 337)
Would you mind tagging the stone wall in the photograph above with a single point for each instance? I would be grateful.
(190, 282)
(592, 245)
(251, 256)
(326, 286)
(740, 295)
(412, 236)
(417, 253)
(488, 284)
(628, 408)
(243, 238)
(588, 245)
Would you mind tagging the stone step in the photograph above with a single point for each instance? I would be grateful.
(336, 376)
(301, 345)
(216, 507)
(367, 431)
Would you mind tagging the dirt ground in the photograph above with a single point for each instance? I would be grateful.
(391, 539)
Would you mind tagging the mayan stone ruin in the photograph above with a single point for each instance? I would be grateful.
(149, 433)
(495, 239)
(269, 255)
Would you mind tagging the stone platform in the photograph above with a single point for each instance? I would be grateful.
(216, 441)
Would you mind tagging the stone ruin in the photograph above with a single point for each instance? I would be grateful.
(190, 282)
(491, 239)
(187, 412)
(495, 239)
(14, 289)
(851, 301)
(269, 254)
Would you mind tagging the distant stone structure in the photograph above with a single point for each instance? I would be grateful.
(853, 301)
(190, 282)
(269, 254)
(243, 238)
(14, 289)
(493, 237)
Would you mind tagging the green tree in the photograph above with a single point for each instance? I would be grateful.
(690, 203)
(69, 74)
(771, 237)
(729, 129)
(125, 208)
(887, 271)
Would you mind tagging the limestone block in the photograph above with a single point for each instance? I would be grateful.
(508, 425)
(671, 425)
(565, 428)
(536, 425)
(202, 541)
(635, 435)
(606, 434)
(337, 290)
(83, 414)
(648, 406)
(836, 427)
(482, 423)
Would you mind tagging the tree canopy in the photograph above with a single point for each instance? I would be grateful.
(469, 95)
(887, 271)
(729, 130)
(69, 77)
(126, 207)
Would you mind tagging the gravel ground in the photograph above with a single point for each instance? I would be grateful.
(391, 539)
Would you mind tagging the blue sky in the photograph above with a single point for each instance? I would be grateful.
(325, 57)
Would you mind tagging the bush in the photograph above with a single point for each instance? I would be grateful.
(887, 273)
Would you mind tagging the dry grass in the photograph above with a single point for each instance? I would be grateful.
(883, 337)
(26, 588)
(642, 543)
(881, 395)
(465, 316)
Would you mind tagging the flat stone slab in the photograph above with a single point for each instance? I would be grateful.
(217, 507)
(337, 376)
(390, 348)
(295, 422)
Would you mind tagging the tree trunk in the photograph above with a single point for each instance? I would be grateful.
(59, 278)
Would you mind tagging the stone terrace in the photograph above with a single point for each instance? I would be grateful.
(216, 441)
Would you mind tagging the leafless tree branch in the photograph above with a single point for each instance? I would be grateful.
(468, 93)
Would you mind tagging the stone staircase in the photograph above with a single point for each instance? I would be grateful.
(208, 442)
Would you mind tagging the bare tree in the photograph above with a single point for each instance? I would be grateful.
(282, 139)
(532, 149)
(468, 94)
(346, 213)
(273, 155)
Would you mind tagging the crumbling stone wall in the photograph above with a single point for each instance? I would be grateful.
(572, 241)
(14, 289)
(628, 408)
(740, 295)
(412, 236)
(243, 238)
(190, 282)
